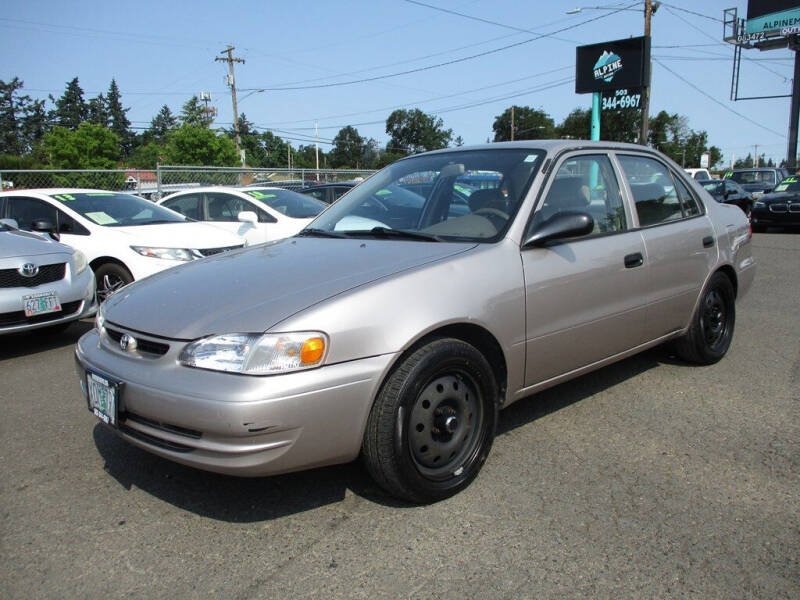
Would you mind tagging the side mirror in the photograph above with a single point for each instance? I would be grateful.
(560, 226)
(248, 216)
(42, 226)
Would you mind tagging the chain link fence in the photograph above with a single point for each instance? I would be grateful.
(163, 180)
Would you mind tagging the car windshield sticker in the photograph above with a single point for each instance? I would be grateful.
(382, 192)
(64, 197)
(790, 180)
(608, 65)
(782, 187)
(101, 218)
(259, 196)
(530, 158)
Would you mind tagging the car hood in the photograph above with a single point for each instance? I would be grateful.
(178, 235)
(21, 243)
(779, 197)
(253, 289)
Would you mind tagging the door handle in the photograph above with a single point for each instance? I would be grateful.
(708, 241)
(634, 260)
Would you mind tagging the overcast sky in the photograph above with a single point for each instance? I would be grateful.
(163, 52)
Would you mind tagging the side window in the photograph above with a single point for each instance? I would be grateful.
(263, 216)
(318, 194)
(224, 207)
(188, 205)
(587, 184)
(688, 203)
(67, 224)
(339, 192)
(27, 210)
(653, 190)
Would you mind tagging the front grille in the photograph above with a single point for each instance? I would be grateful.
(142, 345)
(47, 274)
(10, 319)
(213, 251)
(777, 208)
(192, 433)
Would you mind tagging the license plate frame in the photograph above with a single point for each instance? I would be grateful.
(103, 397)
(41, 303)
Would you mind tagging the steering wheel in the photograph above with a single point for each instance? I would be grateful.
(377, 203)
(495, 216)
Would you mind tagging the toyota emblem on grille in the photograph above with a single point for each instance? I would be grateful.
(127, 342)
(28, 270)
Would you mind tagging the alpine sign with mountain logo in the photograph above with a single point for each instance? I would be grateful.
(607, 66)
(619, 64)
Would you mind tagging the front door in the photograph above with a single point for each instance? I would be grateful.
(586, 296)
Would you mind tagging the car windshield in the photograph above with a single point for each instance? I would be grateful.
(713, 187)
(767, 177)
(469, 195)
(112, 209)
(287, 202)
(790, 184)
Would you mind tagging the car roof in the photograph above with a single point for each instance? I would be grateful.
(55, 191)
(550, 146)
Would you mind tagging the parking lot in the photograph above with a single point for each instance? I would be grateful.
(647, 479)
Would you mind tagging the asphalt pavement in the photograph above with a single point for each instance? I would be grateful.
(647, 479)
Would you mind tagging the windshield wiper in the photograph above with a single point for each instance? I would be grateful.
(385, 232)
(312, 232)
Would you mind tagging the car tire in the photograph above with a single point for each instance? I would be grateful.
(710, 334)
(110, 278)
(433, 422)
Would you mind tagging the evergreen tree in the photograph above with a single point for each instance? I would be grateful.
(118, 119)
(194, 113)
(97, 111)
(71, 109)
(162, 124)
(23, 121)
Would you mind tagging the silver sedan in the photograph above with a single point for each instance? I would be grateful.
(43, 284)
(395, 326)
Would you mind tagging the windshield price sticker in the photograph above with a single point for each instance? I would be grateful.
(622, 99)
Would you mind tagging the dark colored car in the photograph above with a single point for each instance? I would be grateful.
(728, 191)
(329, 192)
(758, 181)
(780, 208)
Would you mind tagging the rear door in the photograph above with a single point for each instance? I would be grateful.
(680, 242)
(586, 296)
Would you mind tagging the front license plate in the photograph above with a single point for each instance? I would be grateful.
(103, 397)
(40, 304)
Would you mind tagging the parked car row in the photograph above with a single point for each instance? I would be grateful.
(398, 322)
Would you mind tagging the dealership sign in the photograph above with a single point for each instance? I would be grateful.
(771, 17)
(612, 65)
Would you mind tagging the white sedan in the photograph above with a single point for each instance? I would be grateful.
(123, 236)
(259, 214)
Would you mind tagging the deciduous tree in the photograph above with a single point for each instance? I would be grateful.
(529, 124)
(414, 131)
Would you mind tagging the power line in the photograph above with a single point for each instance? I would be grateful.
(710, 97)
(691, 12)
(435, 66)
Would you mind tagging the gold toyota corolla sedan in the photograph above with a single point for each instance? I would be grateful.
(395, 325)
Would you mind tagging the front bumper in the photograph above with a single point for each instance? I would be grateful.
(76, 294)
(787, 215)
(235, 424)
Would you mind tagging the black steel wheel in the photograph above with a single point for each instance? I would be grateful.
(433, 422)
(711, 331)
(111, 278)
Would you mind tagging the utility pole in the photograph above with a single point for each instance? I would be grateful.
(512, 122)
(794, 115)
(230, 59)
(755, 155)
(648, 14)
(316, 145)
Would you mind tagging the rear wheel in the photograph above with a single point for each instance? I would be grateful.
(432, 425)
(110, 278)
(711, 331)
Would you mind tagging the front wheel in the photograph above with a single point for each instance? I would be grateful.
(433, 422)
(111, 278)
(711, 331)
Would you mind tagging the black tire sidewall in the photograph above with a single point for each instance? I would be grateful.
(722, 284)
(445, 356)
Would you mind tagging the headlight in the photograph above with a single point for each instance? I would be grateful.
(166, 253)
(80, 262)
(100, 319)
(257, 354)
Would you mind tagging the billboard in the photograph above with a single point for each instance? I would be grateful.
(612, 65)
(771, 17)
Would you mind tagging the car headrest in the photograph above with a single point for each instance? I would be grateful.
(568, 193)
(487, 198)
